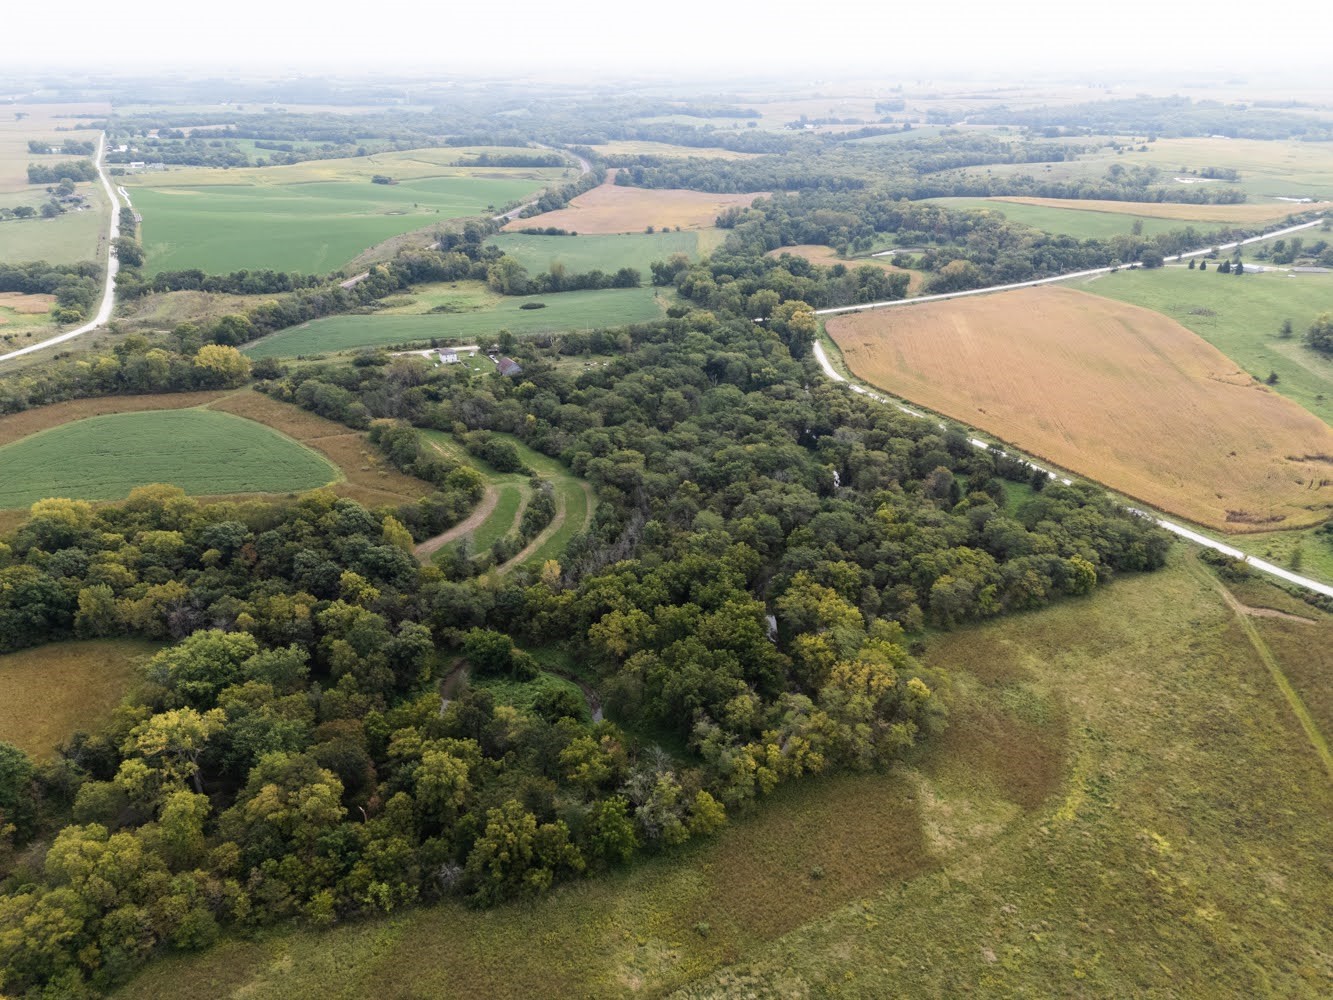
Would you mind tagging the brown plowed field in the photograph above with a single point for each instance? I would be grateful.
(1238, 215)
(1117, 393)
(611, 208)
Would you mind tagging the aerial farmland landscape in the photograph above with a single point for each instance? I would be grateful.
(596, 503)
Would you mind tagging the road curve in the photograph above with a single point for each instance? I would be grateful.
(112, 266)
(1176, 529)
(514, 213)
(1060, 277)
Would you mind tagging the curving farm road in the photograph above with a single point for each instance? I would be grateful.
(112, 266)
(514, 213)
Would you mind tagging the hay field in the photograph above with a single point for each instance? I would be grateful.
(50, 692)
(611, 208)
(202, 452)
(827, 257)
(580, 254)
(1114, 392)
(583, 310)
(39, 121)
(1235, 215)
(635, 147)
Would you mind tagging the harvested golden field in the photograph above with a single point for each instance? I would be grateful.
(1233, 214)
(827, 257)
(29, 305)
(611, 208)
(48, 693)
(1117, 393)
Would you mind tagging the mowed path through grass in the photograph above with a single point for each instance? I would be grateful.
(201, 451)
(311, 227)
(585, 310)
(1122, 805)
(574, 503)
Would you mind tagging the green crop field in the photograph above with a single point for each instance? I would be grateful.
(48, 693)
(309, 227)
(201, 451)
(1078, 223)
(1123, 804)
(1241, 316)
(565, 311)
(579, 254)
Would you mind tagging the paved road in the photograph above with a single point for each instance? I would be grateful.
(1176, 529)
(112, 266)
(514, 213)
(1050, 281)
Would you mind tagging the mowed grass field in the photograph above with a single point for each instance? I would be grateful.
(201, 451)
(1268, 169)
(1117, 393)
(311, 227)
(1122, 805)
(50, 692)
(1232, 215)
(68, 238)
(565, 311)
(611, 208)
(1241, 316)
(635, 147)
(1069, 220)
(579, 254)
(827, 257)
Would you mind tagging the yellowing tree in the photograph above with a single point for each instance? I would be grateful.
(221, 366)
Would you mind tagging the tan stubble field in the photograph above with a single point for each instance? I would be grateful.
(1117, 393)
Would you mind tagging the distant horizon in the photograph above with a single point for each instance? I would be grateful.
(694, 41)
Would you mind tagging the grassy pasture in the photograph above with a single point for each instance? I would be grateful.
(827, 257)
(203, 452)
(1122, 805)
(1197, 215)
(610, 208)
(1119, 394)
(310, 227)
(1241, 317)
(1268, 169)
(565, 311)
(635, 147)
(50, 692)
(1079, 223)
(579, 254)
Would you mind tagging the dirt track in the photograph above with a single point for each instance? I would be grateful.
(471, 523)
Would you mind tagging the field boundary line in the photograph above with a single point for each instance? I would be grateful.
(1265, 654)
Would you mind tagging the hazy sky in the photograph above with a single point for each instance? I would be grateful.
(699, 37)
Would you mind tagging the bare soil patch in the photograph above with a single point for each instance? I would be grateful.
(1234, 214)
(611, 208)
(1120, 394)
